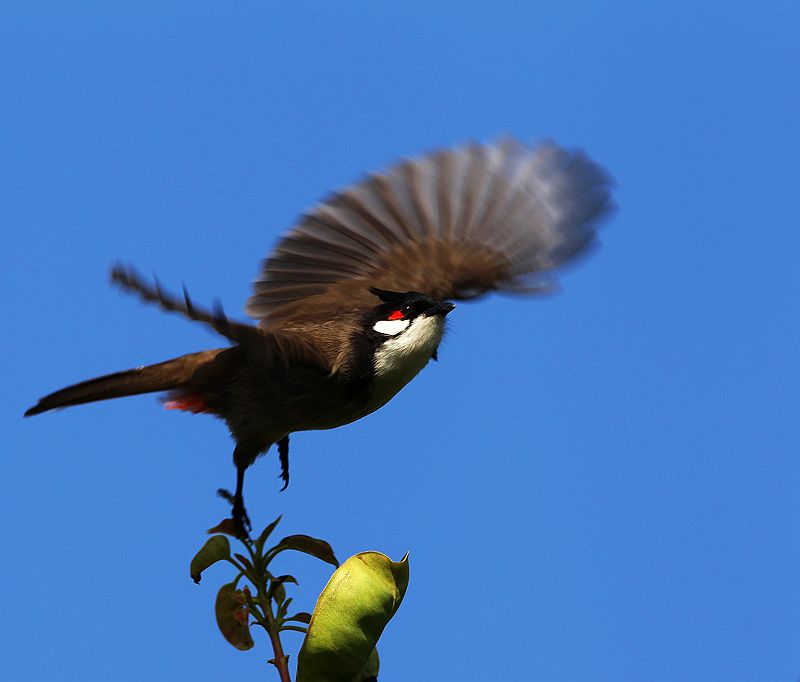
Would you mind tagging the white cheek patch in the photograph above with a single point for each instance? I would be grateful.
(391, 327)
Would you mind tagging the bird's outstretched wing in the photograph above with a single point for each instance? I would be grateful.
(455, 224)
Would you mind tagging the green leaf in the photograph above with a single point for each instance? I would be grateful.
(359, 600)
(370, 670)
(232, 617)
(300, 617)
(277, 592)
(285, 579)
(216, 549)
(292, 628)
(276, 589)
(305, 543)
(262, 538)
(244, 561)
(227, 526)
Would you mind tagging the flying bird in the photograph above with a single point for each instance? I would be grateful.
(351, 304)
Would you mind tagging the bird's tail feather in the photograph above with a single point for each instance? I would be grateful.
(163, 376)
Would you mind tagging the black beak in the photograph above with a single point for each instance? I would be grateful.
(440, 309)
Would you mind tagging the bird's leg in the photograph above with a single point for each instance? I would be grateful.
(283, 455)
(238, 512)
(240, 516)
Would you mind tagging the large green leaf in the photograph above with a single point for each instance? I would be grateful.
(232, 617)
(216, 549)
(370, 670)
(359, 600)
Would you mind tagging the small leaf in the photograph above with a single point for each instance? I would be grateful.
(285, 579)
(301, 617)
(244, 561)
(293, 628)
(262, 538)
(216, 549)
(227, 526)
(359, 600)
(277, 592)
(232, 617)
(305, 543)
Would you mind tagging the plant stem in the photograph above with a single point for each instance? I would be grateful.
(280, 660)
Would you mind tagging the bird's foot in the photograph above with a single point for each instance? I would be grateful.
(238, 513)
(283, 455)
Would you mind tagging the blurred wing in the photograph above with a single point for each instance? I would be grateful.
(452, 224)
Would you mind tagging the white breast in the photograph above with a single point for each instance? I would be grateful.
(399, 359)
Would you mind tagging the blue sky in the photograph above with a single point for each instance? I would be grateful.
(602, 485)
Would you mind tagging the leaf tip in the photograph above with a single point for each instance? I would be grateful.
(227, 526)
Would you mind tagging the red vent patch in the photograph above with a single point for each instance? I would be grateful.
(188, 403)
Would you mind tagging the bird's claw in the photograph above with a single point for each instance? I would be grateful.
(238, 512)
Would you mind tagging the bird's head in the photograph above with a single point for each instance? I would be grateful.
(408, 327)
(401, 312)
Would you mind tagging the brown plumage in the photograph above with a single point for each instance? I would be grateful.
(454, 224)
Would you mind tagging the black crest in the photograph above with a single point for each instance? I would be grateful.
(393, 296)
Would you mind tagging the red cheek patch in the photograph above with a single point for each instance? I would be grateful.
(396, 315)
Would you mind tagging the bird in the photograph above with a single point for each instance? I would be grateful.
(351, 304)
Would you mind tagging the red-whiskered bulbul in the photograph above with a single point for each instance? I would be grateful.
(351, 304)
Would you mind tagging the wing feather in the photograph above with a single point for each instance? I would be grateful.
(455, 223)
